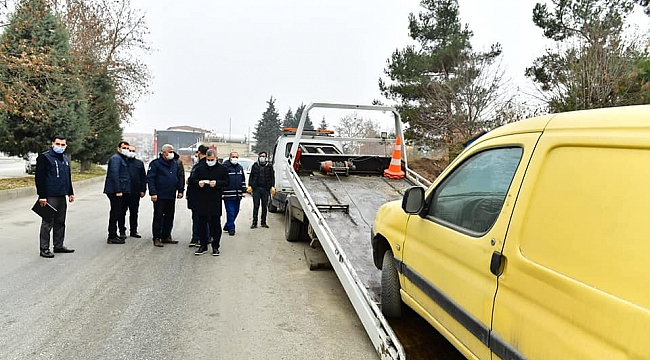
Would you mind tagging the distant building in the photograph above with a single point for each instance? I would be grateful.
(143, 143)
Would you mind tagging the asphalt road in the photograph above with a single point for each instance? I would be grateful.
(12, 167)
(258, 300)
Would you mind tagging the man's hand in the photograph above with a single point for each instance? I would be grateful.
(71, 198)
(272, 191)
(180, 195)
(249, 190)
(42, 202)
(213, 183)
(142, 194)
(201, 183)
(154, 198)
(118, 194)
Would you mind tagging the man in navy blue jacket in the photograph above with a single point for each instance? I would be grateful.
(53, 183)
(118, 188)
(138, 189)
(165, 186)
(234, 192)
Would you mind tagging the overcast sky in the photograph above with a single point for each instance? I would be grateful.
(217, 62)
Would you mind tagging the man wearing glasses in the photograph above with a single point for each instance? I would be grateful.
(53, 183)
(118, 187)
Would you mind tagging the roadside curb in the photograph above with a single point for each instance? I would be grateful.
(13, 194)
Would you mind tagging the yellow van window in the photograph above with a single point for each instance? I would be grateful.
(588, 219)
(472, 195)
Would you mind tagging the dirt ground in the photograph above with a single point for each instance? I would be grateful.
(429, 168)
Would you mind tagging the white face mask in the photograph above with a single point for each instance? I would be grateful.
(126, 152)
(234, 161)
(170, 156)
(131, 155)
(211, 163)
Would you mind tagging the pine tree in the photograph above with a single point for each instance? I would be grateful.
(104, 132)
(42, 94)
(323, 124)
(308, 123)
(442, 86)
(288, 120)
(267, 129)
(595, 64)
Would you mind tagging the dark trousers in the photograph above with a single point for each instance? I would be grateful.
(57, 224)
(213, 223)
(232, 210)
(133, 206)
(117, 214)
(163, 218)
(260, 195)
(196, 234)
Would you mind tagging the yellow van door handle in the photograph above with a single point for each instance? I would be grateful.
(496, 263)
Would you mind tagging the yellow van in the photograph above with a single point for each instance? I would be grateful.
(533, 244)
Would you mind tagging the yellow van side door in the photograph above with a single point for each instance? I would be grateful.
(449, 247)
(576, 284)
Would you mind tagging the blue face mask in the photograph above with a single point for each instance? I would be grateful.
(262, 159)
(58, 149)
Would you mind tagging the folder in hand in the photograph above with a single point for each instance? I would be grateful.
(46, 212)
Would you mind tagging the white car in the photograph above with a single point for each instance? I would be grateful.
(247, 164)
(30, 163)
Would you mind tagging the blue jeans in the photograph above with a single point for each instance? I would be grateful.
(232, 210)
(260, 195)
(196, 234)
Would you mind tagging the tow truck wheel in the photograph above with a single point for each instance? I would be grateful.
(272, 208)
(391, 301)
(292, 226)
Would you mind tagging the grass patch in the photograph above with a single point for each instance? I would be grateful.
(28, 181)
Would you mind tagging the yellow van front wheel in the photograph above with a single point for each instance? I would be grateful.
(391, 301)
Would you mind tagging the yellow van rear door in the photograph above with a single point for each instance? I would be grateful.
(576, 284)
(447, 253)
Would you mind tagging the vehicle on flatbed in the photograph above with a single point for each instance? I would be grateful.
(533, 243)
(330, 196)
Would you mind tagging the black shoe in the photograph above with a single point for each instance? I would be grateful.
(231, 232)
(225, 230)
(215, 252)
(253, 226)
(194, 243)
(47, 254)
(136, 235)
(122, 236)
(202, 250)
(115, 240)
(63, 249)
(265, 226)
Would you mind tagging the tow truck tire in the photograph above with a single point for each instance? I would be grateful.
(391, 301)
(292, 227)
(272, 208)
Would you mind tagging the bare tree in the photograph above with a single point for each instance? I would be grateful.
(354, 126)
(464, 105)
(111, 35)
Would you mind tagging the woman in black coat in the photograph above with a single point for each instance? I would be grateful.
(209, 179)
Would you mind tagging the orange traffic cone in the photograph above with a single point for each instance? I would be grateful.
(394, 171)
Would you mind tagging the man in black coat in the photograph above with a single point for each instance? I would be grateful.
(260, 184)
(117, 188)
(53, 183)
(190, 195)
(138, 189)
(209, 179)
